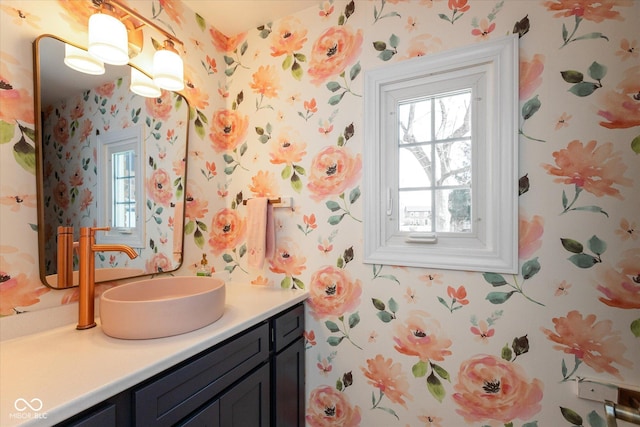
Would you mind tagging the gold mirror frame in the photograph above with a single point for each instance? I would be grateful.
(118, 273)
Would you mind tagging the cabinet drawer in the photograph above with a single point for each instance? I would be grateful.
(179, 392)
(288, 327)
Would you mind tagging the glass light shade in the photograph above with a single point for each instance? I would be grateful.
(81, 60)
(168, 70)
(108, 39)
(142, 85)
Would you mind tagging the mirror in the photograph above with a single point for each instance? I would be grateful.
(78, 115)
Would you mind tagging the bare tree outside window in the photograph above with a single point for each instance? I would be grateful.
(435, 181)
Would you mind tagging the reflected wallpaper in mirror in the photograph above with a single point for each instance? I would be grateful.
(70, 122)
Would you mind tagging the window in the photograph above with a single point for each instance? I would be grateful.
(120, 187)
(441, 166)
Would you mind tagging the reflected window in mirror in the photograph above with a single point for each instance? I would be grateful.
(120, 177)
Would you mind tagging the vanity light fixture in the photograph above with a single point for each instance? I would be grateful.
(143, 85)
(107, 42)
(81, 60)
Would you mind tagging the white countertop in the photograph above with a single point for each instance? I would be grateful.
(47, 377)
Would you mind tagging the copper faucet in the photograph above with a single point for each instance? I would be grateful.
(87, 249)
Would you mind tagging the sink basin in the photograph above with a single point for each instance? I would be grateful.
(161, 307)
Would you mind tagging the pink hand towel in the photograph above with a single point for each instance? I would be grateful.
(260, 233)
(270, 244)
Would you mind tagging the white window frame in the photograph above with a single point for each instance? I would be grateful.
(493, 247)
(110, 143)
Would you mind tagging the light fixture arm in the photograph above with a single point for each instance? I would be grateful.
(136, 15)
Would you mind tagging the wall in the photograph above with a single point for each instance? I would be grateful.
(387, 345)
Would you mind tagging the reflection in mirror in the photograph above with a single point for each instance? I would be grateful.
(120, 154)
(76, 181)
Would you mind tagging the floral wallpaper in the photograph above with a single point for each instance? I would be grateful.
(70, 133)
(277, 110)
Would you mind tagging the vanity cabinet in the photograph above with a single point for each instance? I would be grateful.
(255, 378)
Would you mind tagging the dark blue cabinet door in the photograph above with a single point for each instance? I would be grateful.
(247, 403)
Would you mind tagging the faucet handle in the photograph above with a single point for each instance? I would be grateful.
(94, 229)
(91, 231)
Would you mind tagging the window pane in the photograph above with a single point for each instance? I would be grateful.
(415, 167)
(454, 163)
(415, 211)
(119, 216)
(124, 200)
(415, 121)
(452, 115)
(453, 207)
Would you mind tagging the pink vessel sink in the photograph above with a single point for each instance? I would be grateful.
(161, 307)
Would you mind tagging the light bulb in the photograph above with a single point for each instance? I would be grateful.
(81, 60)
(168, 68)
(108, 39)
(142, 85)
